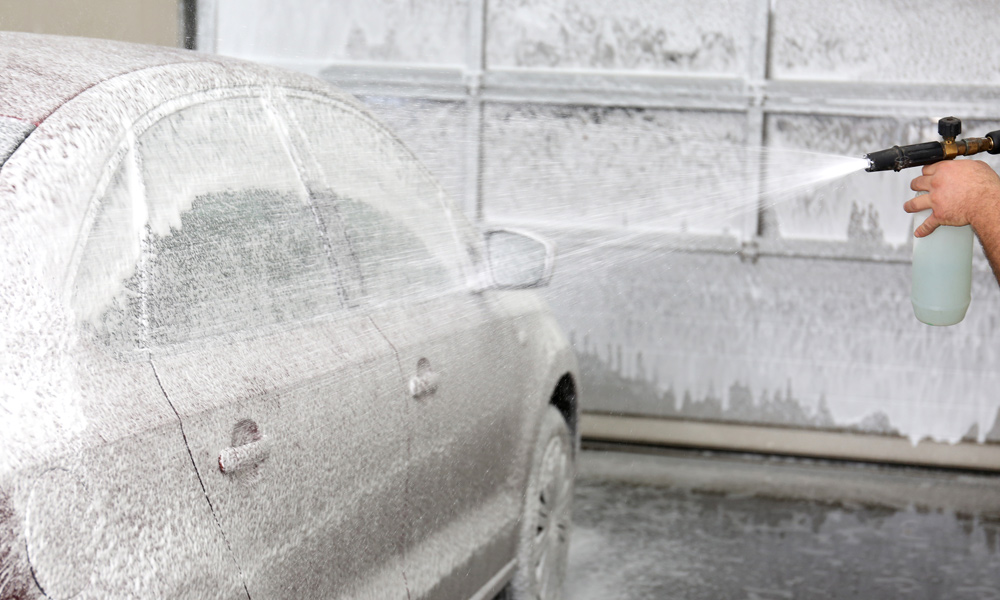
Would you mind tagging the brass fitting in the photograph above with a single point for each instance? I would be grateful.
(970, 146)
(950, 148)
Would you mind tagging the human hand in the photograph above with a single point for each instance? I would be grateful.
(960, 192)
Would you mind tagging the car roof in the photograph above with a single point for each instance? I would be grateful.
(77, 93)
(42, 72)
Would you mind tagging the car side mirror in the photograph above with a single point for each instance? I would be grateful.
(518, 259)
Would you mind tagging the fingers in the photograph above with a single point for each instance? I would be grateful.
(930, 169)
(917, 204)
(927, 227)
(921, 183)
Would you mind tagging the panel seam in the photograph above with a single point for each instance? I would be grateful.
(201, 482)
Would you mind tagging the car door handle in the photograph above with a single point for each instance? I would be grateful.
(239, 458)
(424, 384)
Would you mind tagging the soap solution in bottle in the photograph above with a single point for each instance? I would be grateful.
(942, 273)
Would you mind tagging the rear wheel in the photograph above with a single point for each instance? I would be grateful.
(545, 523)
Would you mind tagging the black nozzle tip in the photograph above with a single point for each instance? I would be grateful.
(884, 160)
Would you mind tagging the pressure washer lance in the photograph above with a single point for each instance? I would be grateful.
(898, 158)
(941, 286)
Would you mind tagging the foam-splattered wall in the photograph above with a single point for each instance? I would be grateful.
(694, 282)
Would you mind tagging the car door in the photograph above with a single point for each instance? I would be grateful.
(130, 490)
(418, 269)
(288, 396)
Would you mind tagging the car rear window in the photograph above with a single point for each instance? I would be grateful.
(234, 244)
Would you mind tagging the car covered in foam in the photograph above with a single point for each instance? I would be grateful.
(250, 348)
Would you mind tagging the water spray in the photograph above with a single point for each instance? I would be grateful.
(898, 158)
(941, 287)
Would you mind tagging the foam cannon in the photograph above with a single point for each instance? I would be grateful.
(941, 286)
(898, 158)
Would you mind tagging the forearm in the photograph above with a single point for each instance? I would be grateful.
(987, 229)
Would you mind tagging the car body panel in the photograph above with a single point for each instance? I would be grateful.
(462, 455)
(319, 515)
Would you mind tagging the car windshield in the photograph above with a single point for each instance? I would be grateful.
(12, 133)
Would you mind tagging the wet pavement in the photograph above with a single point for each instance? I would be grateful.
(706, 526)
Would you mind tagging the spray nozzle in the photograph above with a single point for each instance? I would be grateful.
(898, 158)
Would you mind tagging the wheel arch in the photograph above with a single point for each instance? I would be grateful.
(565, 399)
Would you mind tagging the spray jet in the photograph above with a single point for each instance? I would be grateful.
(898, 158)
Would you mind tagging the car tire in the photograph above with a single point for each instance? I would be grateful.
(545, 523)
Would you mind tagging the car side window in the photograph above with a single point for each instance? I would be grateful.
(234, 243)
(106, 293)
(393, 261)
(400, 225)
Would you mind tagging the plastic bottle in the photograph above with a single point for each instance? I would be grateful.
(942, 273)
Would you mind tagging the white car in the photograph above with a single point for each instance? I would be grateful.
(249, 348)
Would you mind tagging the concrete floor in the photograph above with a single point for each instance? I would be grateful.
(693, 526)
